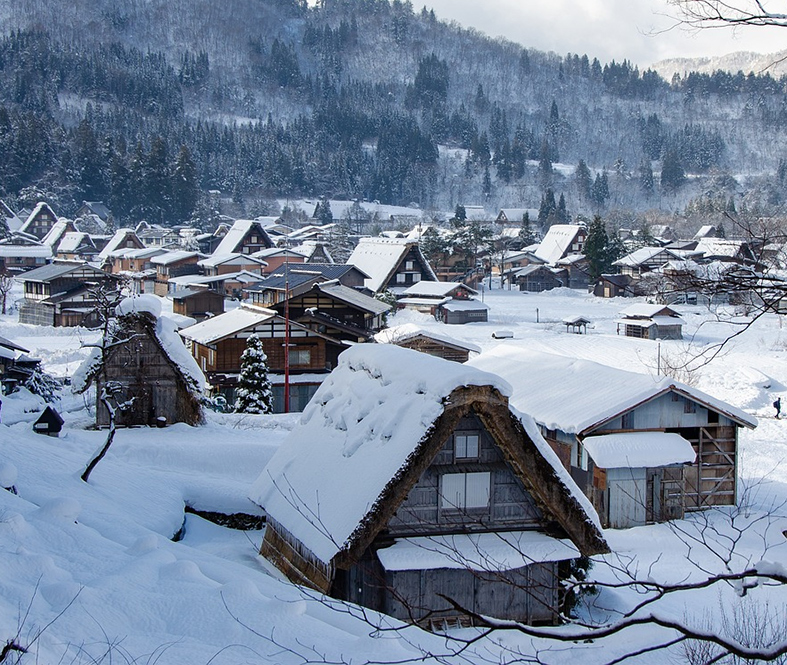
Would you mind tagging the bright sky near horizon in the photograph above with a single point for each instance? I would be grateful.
(637, 30)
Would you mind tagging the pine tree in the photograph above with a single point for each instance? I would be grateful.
(596, 249)
(42, 384)
(526, 235)
(185, 189)
(254, 393)
(672, 173)
(584, 179)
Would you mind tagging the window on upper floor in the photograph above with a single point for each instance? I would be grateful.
(462, 491)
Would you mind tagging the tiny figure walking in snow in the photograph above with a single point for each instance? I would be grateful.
(778, 406)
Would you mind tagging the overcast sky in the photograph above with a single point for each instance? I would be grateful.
(636, 30)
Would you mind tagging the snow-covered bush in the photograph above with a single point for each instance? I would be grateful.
(42, 384)
(254, 394)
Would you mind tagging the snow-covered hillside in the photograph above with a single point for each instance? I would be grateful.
(90, 572)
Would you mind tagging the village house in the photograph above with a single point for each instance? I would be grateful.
(62, 294)
(641, 472)
(223, 264)
(40, 221)
(122, 239)
(76, 246)
(277, 257)
(292, 280)
(315, 251)
(392, 264)
(147, 359)
(197, 303)
(433, 342)
(409, 477)
(560, 241)
(535, 278)
(645, 260)
(338, 310)
(650, 322)
(234, 285)
(16, 365)
(426, 296)
(218, 342)
(613, 286)
(245, 236)
(174, 263)
(21, 252)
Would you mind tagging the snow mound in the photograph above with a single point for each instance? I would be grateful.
(144, 302)
(8, 474)
(64, 510)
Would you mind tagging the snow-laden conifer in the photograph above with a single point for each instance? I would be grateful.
(254, 394)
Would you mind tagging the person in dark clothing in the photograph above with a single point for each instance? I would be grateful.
(778, 406)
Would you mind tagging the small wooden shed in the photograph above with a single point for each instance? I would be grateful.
(650, 322)
(147, 358)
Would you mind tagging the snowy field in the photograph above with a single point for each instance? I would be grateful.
(90, 573)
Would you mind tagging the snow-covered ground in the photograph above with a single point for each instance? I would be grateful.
(90, 573)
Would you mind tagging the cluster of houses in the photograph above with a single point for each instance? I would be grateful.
(417, 474)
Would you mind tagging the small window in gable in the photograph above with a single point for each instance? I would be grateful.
(466, 445)
(689, 406)
(627, 420)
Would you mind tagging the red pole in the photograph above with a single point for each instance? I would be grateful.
(286, 333)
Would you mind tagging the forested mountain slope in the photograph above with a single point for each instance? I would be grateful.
(148, 104)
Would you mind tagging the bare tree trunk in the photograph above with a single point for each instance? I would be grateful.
(110, 437)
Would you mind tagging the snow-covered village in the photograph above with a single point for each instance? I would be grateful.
(340, 332)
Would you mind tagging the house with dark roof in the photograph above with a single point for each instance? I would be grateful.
(16, 365)
(40, 221)
(62, 294)
(647, 321)
(218, 342)
(341, 311)
(292, 280)
(410, 487)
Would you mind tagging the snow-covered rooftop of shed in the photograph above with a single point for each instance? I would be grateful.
(357, 432)
(484, 552)
(557, 242)
(72, 240)
(639, 450)
(648, 311)
(25, 251)
(573, 395)
(434, 289)
(408, 331)
(471, 305)
(217, 327)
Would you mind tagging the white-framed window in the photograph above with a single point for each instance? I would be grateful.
(409, 265)
(400, 278)
(466, 445)
(461, 491)
(416, 277)
(300, 356)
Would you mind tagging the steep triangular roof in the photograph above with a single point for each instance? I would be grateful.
(371, 430)
(557, 242)
(380, 257)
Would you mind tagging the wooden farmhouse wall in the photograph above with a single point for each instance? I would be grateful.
(711, 480)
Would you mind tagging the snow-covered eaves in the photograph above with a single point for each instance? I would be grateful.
(647, 311)
(436, 289)
(639, 450)
(379, 257)
(224, 325)
(408, 331)
(482, 552)
(644, 255)
(230, 259)
(470, 305)
(174, 256)
(25, 251)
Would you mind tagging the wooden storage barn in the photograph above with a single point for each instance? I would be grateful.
(573, 399)
(650, 322)
(411, 336)
(409, 477)
(148, 359)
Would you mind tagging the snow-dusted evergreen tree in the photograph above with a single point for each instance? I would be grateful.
(254, 394)
(43, 384)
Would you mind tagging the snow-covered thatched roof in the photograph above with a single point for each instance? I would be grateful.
(165, 330)
(361, 435)
(380, 257)
(233, 239)
(218, 327)
(557, 242)
(576, 395)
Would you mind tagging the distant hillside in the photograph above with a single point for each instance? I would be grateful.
(746, 61)
(150, 104)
